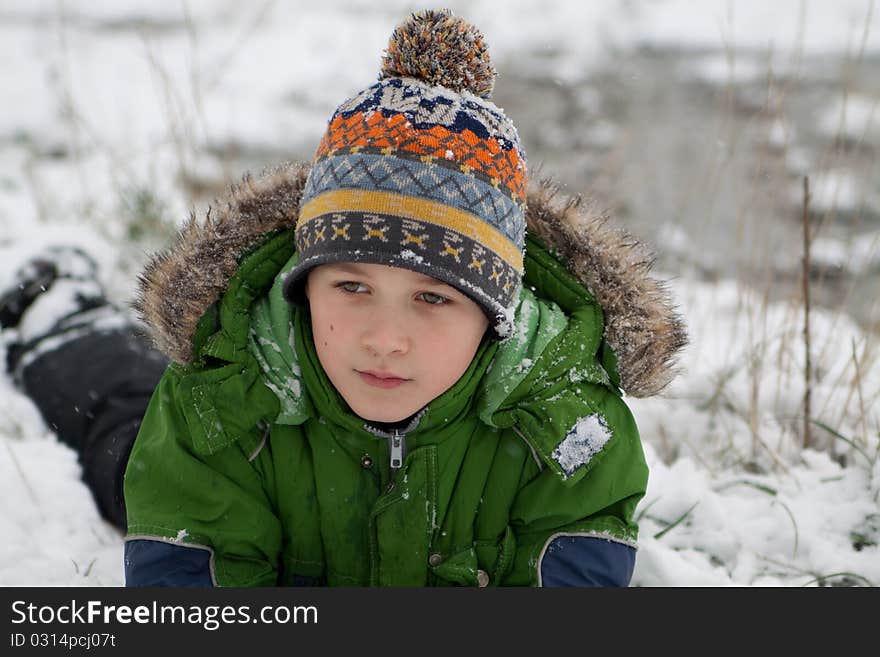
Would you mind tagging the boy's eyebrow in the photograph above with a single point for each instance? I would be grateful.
(351, 268)
(348, 268)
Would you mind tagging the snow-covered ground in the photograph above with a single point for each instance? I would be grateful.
(118, 117)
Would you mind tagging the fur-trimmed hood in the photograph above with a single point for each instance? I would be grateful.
(178, 285)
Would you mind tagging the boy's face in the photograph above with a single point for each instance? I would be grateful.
(390, 339)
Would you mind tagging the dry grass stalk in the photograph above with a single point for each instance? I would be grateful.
(805, 219)
(858, 386)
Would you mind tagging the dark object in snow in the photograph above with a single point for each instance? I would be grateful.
(93, 391)
(89, 370)
(37, 275)
(16, 300)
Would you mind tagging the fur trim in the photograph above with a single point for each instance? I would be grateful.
(641, 323)
(179, 284)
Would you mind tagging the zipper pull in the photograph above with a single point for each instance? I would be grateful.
(397, 449)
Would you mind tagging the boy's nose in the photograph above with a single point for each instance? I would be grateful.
(385, 334)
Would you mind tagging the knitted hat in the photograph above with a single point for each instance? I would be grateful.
(422, 171)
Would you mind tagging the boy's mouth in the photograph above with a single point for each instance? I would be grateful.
(381, 379)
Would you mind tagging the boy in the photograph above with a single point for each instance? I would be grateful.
(405, 389)
(376, 398)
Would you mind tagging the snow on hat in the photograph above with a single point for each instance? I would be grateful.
(422, 171)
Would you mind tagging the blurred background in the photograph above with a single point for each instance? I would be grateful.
(693, 125)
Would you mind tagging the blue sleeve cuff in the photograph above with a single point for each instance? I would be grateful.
(587, 561)
(154, 563)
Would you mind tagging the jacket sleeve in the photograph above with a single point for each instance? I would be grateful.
(195, 518)
(151, 562)
(583, 533)
(586, 561)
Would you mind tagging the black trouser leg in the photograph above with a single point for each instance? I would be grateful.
(93, 391)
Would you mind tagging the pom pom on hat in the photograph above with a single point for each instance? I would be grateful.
(440, 49)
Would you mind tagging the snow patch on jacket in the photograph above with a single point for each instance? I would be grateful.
(586, 439)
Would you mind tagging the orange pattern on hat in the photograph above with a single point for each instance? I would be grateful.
(395, 133)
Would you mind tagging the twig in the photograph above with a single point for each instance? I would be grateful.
(224, 63)
(858, 383)
(773, 455)
(851, 390)
(805, 219)
(24, 479)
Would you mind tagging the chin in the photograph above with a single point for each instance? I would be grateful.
(373, 415)
(384, 417)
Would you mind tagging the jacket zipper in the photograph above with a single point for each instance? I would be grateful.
(397, 442)
(396, 450)
(396, 456)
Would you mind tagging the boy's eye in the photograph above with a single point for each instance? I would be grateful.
(351, 286)
(433, 299)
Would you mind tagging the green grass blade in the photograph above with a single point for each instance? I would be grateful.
(854, 576)
(849, 442)
(673, 524)
(745, 482)
(644, 509)
(793, 524)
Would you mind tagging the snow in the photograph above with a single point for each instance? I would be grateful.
(52, 532)
(409, 254)
(752, 24)
(108, 99)
(103, 318)
(833, 190)
(720, 69)
(857, 254)
(766, 531)
(55, 303)
(853, 117)
(767, 512)
(583, 442)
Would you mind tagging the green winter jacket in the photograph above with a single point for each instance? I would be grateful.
(247, 450)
